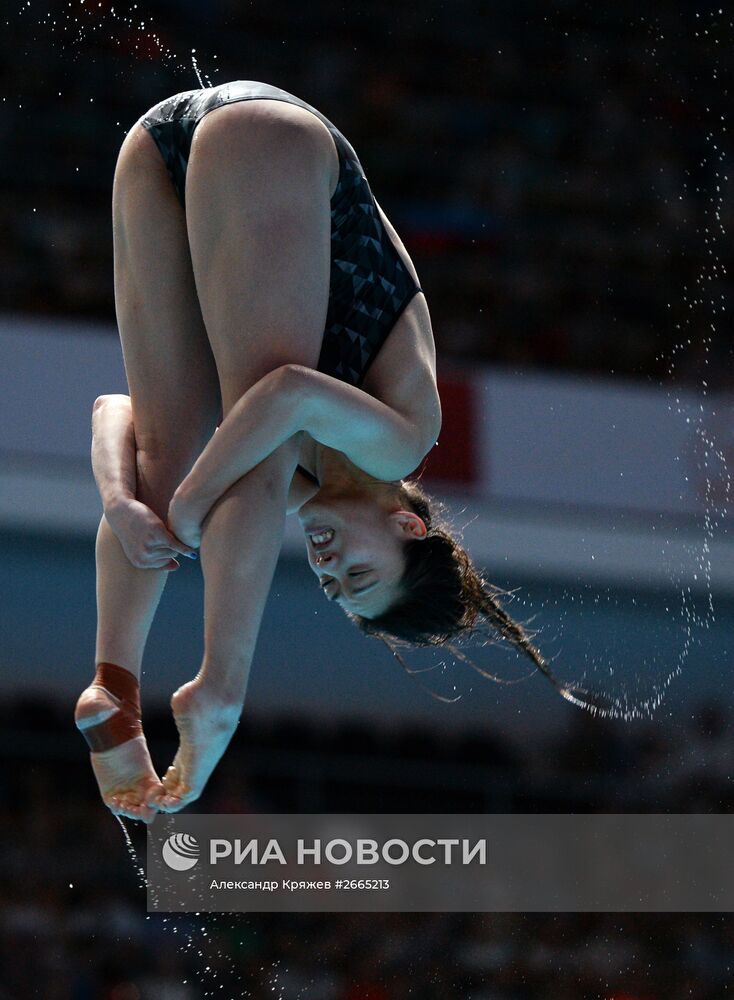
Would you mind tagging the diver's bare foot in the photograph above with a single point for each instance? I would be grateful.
(124, 773)
(205, 725)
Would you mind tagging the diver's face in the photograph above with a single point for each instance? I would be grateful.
(355, 548)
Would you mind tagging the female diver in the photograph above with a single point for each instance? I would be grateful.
(258, 283)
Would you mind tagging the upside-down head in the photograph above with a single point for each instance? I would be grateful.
(398, 572)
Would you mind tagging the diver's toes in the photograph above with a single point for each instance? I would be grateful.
(171, 803)
(146, 815)
(170, 778)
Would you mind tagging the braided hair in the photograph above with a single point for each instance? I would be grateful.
(445, 599)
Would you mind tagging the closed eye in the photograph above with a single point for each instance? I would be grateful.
(334, 592)
(324, 584)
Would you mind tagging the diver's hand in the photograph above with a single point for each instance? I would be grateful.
(185, 519)
(145, 539)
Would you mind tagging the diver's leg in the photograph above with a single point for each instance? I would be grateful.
(257, 206)
(175, 401)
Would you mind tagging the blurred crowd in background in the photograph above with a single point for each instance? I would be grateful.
(560, 178)
(556, 174)
(72, 924)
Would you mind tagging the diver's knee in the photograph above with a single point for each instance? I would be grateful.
(159, 471)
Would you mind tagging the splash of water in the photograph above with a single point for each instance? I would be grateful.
(80, 20)
(600, 686)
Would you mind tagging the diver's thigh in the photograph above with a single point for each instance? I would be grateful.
(259, 226)
(170, 368)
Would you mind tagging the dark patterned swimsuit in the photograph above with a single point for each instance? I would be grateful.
(369, 284)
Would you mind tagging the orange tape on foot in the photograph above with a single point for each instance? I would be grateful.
(125, 724)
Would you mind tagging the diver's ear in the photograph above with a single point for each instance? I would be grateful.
(409, 523)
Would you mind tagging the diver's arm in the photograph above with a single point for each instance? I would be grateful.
(144, 538)
(263, 418)
(113, 449)
(377, 438)
(293, 398)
